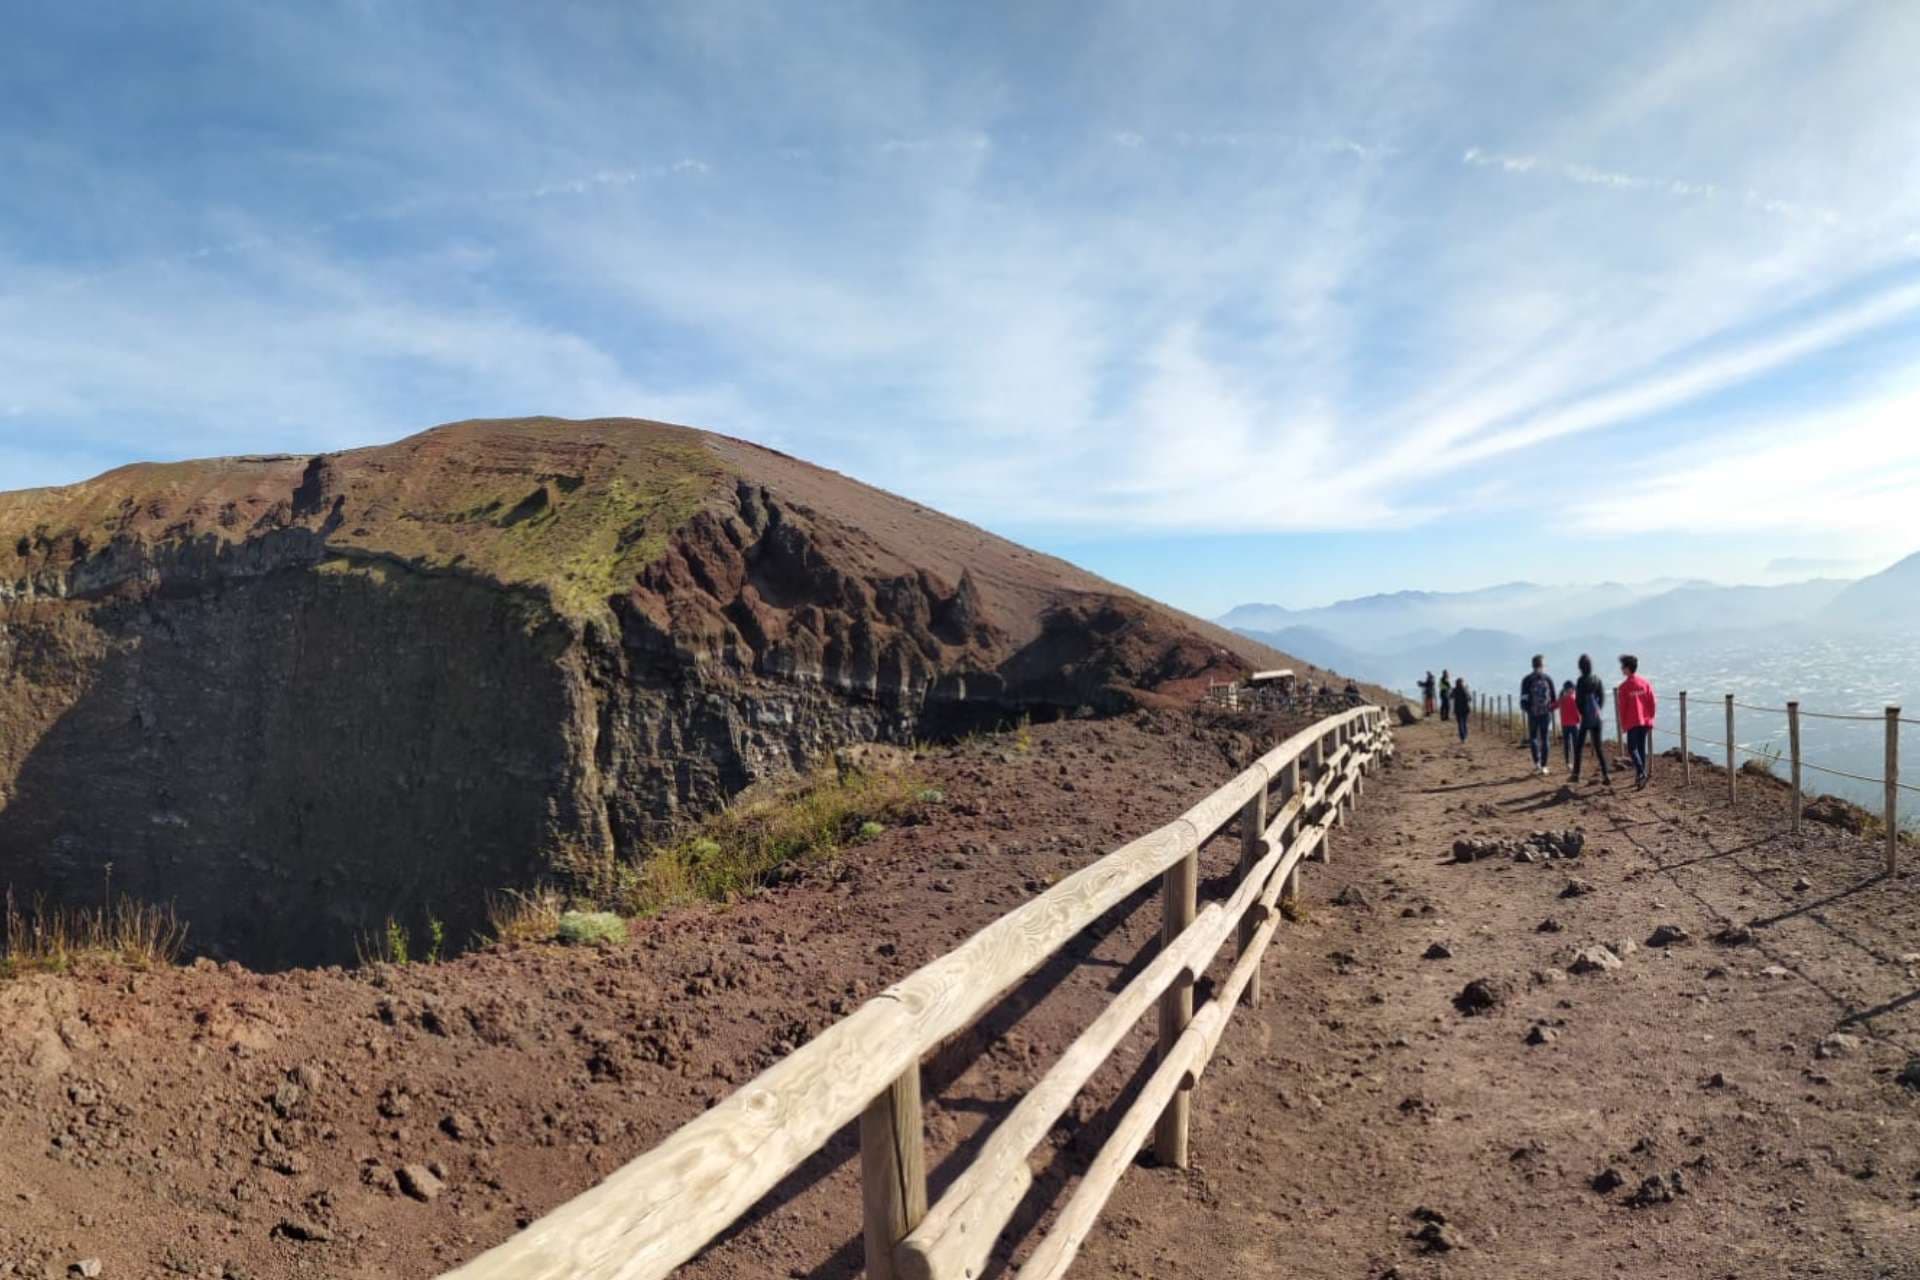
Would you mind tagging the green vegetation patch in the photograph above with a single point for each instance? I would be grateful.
(764, 835)
(581, 533)
(591, 928)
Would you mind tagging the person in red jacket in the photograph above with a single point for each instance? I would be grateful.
(1635, 704)
(1569, 707)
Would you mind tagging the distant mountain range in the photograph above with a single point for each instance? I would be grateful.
(1392, 636)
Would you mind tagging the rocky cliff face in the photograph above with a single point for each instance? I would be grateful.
(294, 695)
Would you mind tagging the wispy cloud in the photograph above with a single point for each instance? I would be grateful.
(1259, 268)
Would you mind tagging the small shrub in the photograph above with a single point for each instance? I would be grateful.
(436, 939)
(871, 830)
(591, 928)
(390, 944)
(930, 795)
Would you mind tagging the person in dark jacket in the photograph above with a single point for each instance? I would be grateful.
(1462, 705)
(1427, 691)
(1446, 693)
(1590, 695)
(1536, 700)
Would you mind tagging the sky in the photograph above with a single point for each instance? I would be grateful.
(1228, 302)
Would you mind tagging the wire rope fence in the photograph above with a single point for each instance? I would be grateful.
(1497, 711)
(1740, 757)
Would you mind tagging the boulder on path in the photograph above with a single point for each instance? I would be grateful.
(1668, 935)
(1350, 896)
(1404, 714)
(1482, 995)
(1608, 1179)
(1437, 951)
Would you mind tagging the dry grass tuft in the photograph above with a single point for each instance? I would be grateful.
(53, 939)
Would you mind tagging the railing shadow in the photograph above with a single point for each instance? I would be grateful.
(942, 1068)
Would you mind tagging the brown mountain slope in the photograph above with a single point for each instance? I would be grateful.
(295, 694)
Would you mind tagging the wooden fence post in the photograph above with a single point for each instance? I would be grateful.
(1319, 779)
(1289, 788)
(1893, 789)
(1179, 888)
(1732, 764)
(1253, 824)
(1686, 752)
(893, 1171)
(1793, 744)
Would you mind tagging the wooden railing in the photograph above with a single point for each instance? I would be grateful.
(663, 1207)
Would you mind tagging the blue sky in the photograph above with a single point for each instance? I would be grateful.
(1228, 302)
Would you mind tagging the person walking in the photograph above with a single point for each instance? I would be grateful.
(1446, 693)
(1569, 723)
(1537, 699)
(1590, 694)
(1427, 690)
(1462, 704)
(1636, 709)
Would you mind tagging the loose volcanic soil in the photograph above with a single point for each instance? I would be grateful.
(1383, 1113)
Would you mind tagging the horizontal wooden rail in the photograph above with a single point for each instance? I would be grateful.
(660, 1209)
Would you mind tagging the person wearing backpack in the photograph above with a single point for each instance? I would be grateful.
(1462, 704)
(1427, 689)
(1590, 695)
(1537, 699)
(1569, 724)
(1446, 693)
(1636, 707)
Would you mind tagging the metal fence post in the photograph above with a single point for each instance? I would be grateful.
(1732, 770)
(1686, 754)
(1893, 789)
(1793, 745)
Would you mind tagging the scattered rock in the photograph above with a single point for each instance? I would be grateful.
(1776, 971)
(1541, 1034)
(1594, 959)
(1837, 1045)
(1657, 1190)
(1438, 951)
(303, 1229)
(1910, 1074)
(1717, 1080)
(1734, 935)
(1802, 884)
(419, 1182)
(459, 1126)
(1479, 996)
(88, 1267)
(1350, 896)
(1549, 925)
(1668, 935)
(1438, 1237)
(1608, 1179)
(1576, 888)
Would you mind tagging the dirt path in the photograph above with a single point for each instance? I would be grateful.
(208, 1122)
(1360, 1095)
